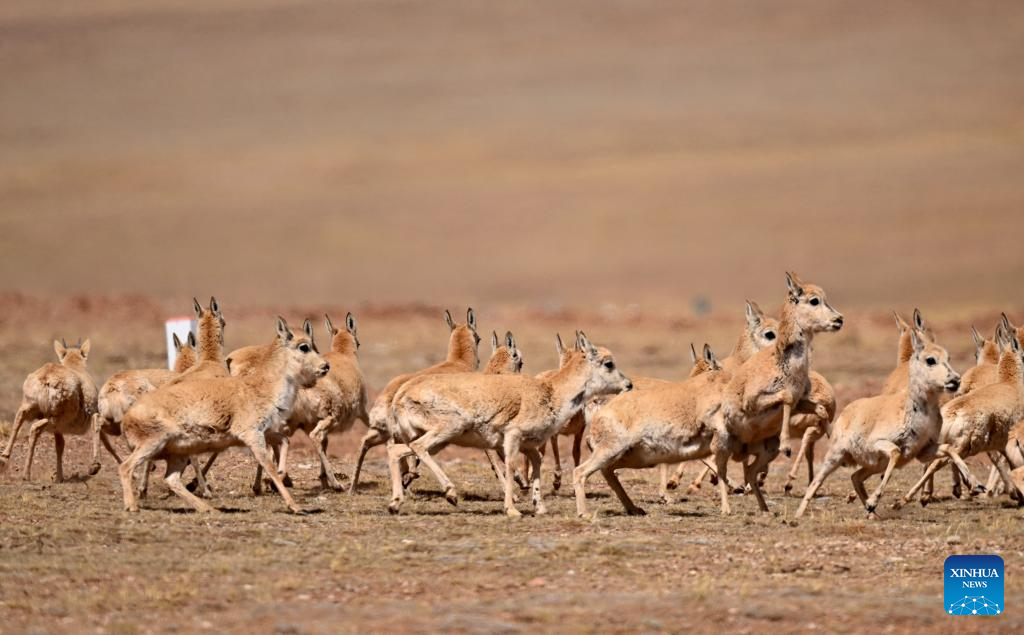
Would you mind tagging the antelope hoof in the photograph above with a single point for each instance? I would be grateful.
(394, 506)
(850, 498)
(871, 506)
(957, 491)
(94, 469)
(287, 480)
(326, 483)
(556, 484)
(408, 478)
(714, 480)
(512, 512)
(452, 496)
(133, 508)
(672, 484)
(977, 489)
(788, 488)
(636, 511)
(873, 516)
(788, 451)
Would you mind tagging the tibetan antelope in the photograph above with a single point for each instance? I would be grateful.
(210, 345)
(332, 405)
(122, 389)
(58, 398)
(774, 378)
(981, 420)
(643, 428)
(209, 415)
(512, 413)
(878, 434)
(463, 357)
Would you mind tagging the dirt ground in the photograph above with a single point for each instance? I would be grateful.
(73, 562)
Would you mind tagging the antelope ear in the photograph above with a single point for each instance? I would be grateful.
(198, 308)
(61, 348)
(794, 285)
(586, 346)
(350, 323)
(283, 332)
(916, 341)
(976, 337)
(214, 306)
(448, 320)
(329, 326)
(494, 340)
(1007, 326)
(471, 318)
(901, 324)
(177, 342)
(559, 346)
(693, 353)
(307, 326)
(510, 340)
(709, 355)
(84, 348)
(754, 315)
(918, 320)
(191, 339)
(1014, 342)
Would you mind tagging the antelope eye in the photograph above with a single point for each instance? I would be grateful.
(930, 361)
(814, 302)
(304, 347)
(768, 335)
(610, 365)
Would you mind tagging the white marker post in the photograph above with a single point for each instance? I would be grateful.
(179, 326)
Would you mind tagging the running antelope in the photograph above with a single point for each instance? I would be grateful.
(332, 405)
(209, 415)
(124, 388)
(509, 412)
(661, 424)
(981, 420)
(879, 434)
(775, 377)
(58, 398)
(462, 357)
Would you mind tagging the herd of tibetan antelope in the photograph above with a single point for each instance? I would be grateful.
(743, 408)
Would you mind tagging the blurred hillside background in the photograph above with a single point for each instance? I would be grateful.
(521, 152)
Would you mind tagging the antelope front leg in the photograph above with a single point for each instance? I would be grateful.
(933, 467)
(257, 444)
(319, 438)
(696, 482)
(535, 460)
(557, 484)
(784, 441)
(810, 438)
(372, 438)
(511, 447)
(721, 466)
(894, 457)
(109, 446)
(396, 452)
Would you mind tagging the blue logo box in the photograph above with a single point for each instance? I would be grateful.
(974, 585)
